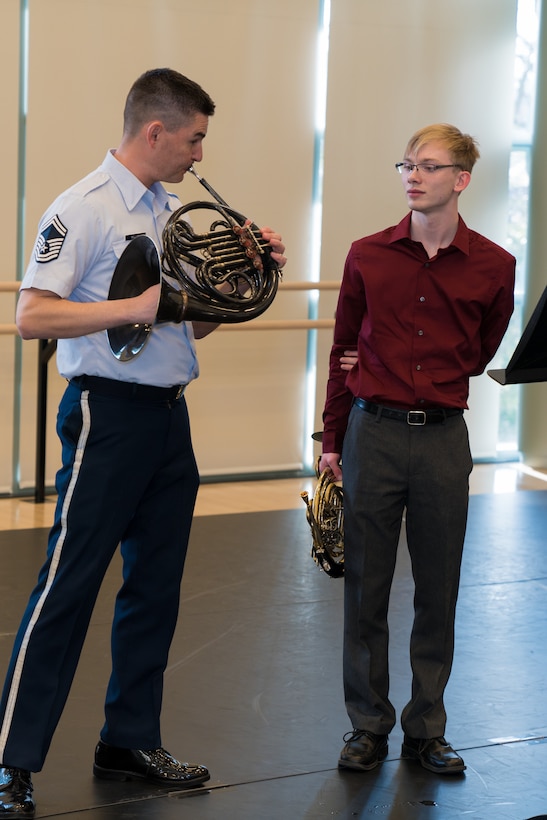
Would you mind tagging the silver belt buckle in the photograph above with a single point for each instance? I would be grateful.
(416, 418)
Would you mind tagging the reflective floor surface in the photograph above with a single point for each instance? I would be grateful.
(253, 689)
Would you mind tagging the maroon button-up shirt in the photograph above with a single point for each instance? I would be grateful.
(421, 326)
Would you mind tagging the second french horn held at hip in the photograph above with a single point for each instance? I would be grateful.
(325, 515)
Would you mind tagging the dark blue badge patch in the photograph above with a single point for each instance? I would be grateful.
(50, 241)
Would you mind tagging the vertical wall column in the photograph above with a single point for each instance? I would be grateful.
(533, 406)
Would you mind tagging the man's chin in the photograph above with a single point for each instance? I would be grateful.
(174, 179)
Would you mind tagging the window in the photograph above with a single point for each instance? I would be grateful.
(519, 181)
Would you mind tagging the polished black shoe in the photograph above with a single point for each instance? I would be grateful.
(363, 750)
(16, 798)
(155, 765)
(435, 754)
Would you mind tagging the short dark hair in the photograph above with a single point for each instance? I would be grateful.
(166, 95)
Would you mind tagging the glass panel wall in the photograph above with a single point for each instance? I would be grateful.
(517, 228)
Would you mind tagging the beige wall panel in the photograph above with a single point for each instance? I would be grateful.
(9, 95)
(257, 60)
(396, 66)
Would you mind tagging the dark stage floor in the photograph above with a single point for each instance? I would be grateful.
(254, 688)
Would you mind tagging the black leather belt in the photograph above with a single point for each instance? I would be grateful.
(128, 390)
(416, 418)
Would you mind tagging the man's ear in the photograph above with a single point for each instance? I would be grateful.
(153, 130)
(462, 181)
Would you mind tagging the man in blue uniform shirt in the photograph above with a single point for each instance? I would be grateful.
(123, 426)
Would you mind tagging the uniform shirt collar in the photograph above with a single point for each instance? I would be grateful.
(132, 189)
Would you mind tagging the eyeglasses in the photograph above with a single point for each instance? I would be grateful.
(423, 167)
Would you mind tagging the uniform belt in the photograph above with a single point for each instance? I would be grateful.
(416, 418)
(128, 390)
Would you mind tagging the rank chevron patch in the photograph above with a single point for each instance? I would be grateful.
(50, 240)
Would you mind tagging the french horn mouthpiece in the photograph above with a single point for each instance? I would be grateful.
(208, 187)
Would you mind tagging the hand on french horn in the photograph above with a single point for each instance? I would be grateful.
(202, 329)
(278, 248)
(145, 305)
(331, 462)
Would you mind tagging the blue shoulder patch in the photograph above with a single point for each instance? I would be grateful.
(50, 241)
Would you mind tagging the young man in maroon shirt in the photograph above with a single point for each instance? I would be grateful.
(425, 305)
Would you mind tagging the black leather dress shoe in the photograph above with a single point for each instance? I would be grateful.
(363, 750)
(435, 754)
(16, 798)
(155, 765)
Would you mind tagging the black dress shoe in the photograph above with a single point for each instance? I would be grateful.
(16, 798)
(363, 750)
(155, 765)
(435, 754)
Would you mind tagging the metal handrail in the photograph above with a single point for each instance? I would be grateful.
(255, 324)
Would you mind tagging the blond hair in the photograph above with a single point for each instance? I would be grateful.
(462, 148)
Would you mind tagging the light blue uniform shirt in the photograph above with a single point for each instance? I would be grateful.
(80, 239)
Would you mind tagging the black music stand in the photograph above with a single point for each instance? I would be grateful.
(529, 361)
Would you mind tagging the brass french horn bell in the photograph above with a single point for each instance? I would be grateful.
(325, 515)
(226, 275)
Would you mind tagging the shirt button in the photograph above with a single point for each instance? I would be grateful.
(418, 367)
(420, 333)
(422, 298)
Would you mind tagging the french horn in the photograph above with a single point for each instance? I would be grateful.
(325, 515)
(234, 277)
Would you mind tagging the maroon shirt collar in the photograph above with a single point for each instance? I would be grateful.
(461, 241)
